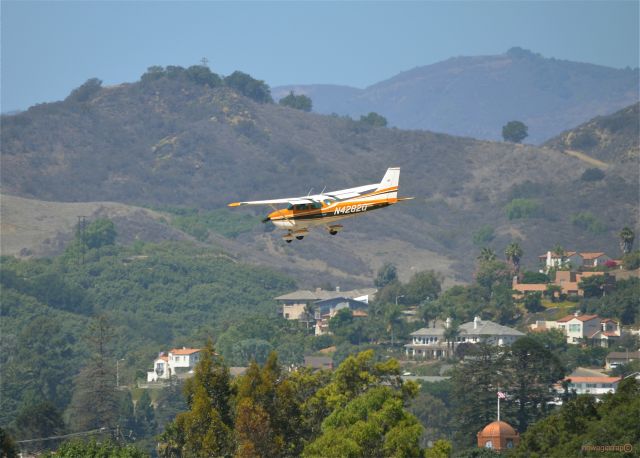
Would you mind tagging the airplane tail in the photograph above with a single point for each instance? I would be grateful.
(389, 184)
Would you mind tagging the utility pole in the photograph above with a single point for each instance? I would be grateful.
(118, 372)
(82, 224)
(204, 61)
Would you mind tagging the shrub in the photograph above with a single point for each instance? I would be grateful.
(592, 175)
(374, 119)
(483, 236)
(586, 220)
(299, 102)
(522, 209)
(249, 87)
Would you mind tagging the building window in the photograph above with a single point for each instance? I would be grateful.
(488, 444)
(574, 328)
(509, 443)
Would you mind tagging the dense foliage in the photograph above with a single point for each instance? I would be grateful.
(515, 131)
(299, 102)
(583, 427)
(357, 410)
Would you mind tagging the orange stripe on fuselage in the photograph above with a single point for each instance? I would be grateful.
(342, 208)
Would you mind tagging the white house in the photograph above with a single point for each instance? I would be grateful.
(431, 342)
(177, 361)
(593, 385)
(583, 328)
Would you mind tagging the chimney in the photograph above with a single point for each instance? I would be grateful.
(337, 289)
(476, 322)
(447, 323)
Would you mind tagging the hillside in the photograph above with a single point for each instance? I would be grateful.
(174, 142)
(613, 139)
(476, 96)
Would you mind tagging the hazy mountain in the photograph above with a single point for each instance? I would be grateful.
(171, 141)
(476, 96)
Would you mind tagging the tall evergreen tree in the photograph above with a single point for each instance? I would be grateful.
(626, 239)
(94, 404)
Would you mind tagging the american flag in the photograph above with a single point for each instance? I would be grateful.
(502, 395)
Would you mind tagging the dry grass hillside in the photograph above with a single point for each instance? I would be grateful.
(179, 143)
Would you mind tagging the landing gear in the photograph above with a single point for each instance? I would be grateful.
(299, 235)
(333, 230)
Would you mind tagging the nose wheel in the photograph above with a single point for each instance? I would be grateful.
(298, 235)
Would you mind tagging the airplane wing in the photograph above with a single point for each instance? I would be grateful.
(291, 200)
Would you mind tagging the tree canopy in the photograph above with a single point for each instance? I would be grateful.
(514, 131)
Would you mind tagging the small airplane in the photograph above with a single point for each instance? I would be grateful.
(326, 208)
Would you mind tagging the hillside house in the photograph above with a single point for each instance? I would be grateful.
(431, 343)
(572, 259)
(583, 329)
(327, 309)
(177, 361)
(592, 385)
(293, 305)
(568, 282)
(619, 358)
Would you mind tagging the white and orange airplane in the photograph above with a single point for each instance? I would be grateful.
(303, 213)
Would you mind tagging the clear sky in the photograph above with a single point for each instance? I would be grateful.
(50, 47)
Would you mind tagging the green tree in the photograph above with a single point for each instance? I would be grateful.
(94, 404)
(94, 449)
(145, 418)
(201, 74)
(39, 420)
(86, 91)
(584, 421)
(532, 371)
(514, 131)
(246, 85)
(626, 240)
(374, 120)
(206, 429)
(593, 286)
(99, 233)
(423, 286)
(532, 302)
(298, 102)
(486, 255)
(387, 274)
(475, 383)
(8, 447)
(441, 449)
(513, 254)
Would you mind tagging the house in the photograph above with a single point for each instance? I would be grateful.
(295, 304)
(596, 385)
(176, 362)
(328, 308)
(568, 281)
(572, 259)
(619, 358)
(583, 328)
(318, 362)
(432, 342)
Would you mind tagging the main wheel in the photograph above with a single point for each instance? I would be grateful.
(288, 241)
(299, 237)
(332, 232)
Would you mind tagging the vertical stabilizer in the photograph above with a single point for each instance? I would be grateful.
(389, 183)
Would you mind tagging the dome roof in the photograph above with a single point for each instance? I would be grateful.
(498, 428)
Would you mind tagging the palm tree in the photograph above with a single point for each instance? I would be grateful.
(309, 313)
(514, 253)
(560, 253)
(486, 255)
(392, 318)
(450, 335)
(626, 239)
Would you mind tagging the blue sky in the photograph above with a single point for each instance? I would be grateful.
(49, 48)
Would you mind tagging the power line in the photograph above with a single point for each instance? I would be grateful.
(64, 436)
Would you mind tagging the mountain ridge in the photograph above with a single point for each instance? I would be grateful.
(476, 95)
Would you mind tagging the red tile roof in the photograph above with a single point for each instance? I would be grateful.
(184, 351)
(591, 255)
(580, 317)
(603, 379)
